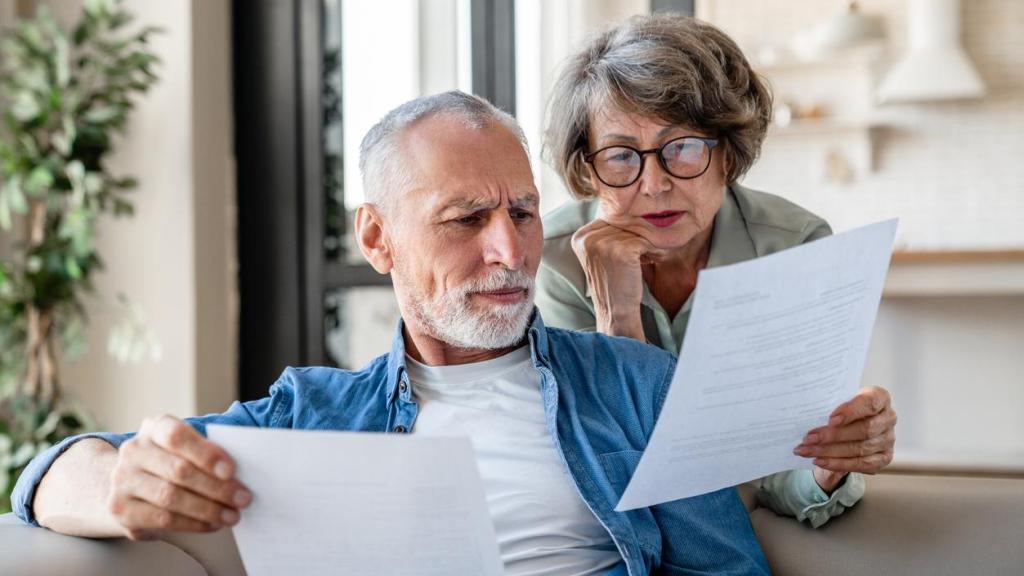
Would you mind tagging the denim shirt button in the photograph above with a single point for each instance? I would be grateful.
(402, 388)
(399, 429)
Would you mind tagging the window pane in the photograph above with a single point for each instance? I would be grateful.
(360, 323)
(376, 56)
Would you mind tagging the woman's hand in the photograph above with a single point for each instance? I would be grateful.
(859, 437)
(611, 258)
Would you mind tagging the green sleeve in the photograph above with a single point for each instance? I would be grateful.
(561, 304)
(795, 493)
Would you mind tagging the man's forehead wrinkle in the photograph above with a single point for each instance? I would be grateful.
(487, 202)
(526, 199)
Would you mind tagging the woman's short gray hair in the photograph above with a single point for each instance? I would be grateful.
(667, 66)
(380, 152)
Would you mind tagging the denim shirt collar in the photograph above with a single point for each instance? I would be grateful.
(536, 332)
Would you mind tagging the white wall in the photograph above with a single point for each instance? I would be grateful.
(950, 345)
(949, 170)
(956, 371)
(175, 257)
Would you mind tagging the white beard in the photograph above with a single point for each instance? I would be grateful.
(453, 318)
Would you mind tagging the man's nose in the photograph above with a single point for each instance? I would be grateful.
(653, 178)
(503, 243)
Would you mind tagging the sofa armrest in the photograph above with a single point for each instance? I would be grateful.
(28, 551)
(907, 524)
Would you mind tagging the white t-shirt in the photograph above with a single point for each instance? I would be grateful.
(542, 523)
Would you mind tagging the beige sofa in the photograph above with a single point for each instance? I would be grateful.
(907, 524)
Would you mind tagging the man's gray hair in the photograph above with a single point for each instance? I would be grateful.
(384, 174)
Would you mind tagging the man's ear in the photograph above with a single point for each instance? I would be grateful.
(371, 238)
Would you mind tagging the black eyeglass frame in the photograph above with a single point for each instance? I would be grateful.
(710, 143)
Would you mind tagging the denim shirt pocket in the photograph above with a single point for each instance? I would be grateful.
(619, 467)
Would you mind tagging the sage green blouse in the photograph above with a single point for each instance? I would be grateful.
(748, 225)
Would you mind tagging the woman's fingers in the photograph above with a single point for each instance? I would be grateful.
(867, 464)
(858, 430)
(858, 449)
(860, 436)
(869, 401)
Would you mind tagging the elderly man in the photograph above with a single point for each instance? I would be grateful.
(558, 419)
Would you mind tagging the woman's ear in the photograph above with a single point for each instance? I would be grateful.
(369, 229)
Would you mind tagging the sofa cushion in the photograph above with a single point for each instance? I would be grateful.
(28, 551)
(907, 524)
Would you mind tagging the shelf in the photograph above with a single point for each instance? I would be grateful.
(957, 463)
(787, 62)
(825, 126)
(852, 140)
(955, 273)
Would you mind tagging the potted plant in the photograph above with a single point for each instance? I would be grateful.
(64, 96)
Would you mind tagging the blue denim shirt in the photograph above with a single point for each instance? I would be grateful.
(601, 397)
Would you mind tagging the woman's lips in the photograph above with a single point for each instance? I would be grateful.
(663, 219)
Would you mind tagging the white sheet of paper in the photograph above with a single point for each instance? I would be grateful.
(359, 503)
(773, 345)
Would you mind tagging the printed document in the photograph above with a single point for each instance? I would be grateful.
(773, 346)
(359, 503)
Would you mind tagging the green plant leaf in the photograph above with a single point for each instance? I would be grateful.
(25, 108)
(104, 114)
(93, 183)
(72, 267)
(98, 8)
(38, 180)
(15, 195)
(5, 212)
(23, 454)
(61, 60)
(47, 427)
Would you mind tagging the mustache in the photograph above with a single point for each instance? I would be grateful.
(500, 279)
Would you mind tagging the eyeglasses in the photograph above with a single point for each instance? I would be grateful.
(684, 158)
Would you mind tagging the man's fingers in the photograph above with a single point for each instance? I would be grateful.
(868, 402)
(143, 520)
(867, 465)
(858, 430)
(173, 468)
(178, 437)
(169, 496)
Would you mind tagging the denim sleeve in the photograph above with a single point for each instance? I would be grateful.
(273, 411)
(708, 534)
(795, 493)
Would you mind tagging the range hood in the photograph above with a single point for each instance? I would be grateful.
(935, 66)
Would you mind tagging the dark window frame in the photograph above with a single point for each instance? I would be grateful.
(284, 275)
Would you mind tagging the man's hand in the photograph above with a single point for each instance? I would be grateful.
(170, 478)
(859, 437)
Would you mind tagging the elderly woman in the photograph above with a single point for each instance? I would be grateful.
(652, 125)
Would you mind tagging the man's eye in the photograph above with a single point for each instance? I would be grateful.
(522, 215)
(469, 219)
